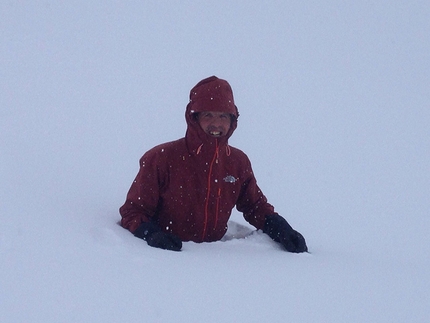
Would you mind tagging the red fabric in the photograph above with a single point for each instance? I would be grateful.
(212, 94)
(190, 186)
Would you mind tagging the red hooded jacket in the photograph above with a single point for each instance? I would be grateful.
(190, 186)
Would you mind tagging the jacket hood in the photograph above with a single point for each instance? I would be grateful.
(210, 94)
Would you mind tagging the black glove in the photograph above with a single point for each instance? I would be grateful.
(155, 237)
(280, 231)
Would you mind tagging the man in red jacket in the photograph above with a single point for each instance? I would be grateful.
(186, 189)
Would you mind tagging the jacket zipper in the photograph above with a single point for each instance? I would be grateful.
(206, 219)
(218, 198)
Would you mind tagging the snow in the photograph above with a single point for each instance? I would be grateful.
(334, 102)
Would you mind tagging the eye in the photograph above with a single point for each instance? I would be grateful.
(207, 115)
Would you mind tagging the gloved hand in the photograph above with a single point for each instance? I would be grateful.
(155, 237)
(280, 231)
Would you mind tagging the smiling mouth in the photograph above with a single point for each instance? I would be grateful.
(215, 133)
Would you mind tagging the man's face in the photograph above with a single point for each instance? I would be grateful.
(215, 124)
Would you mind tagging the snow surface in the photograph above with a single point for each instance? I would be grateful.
(334, 100)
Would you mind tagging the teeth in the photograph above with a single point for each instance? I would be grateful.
(215, 133)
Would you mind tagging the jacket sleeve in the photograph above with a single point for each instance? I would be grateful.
(143, 197)
(252, 202)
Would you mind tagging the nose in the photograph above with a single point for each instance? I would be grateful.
(216, 122)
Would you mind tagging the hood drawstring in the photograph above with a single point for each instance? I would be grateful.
(227, 150)
(199, 149)
(217, 151)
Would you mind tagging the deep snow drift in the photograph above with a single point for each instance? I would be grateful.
(334, 102)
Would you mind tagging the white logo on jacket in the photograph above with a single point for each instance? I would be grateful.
(230, 179)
